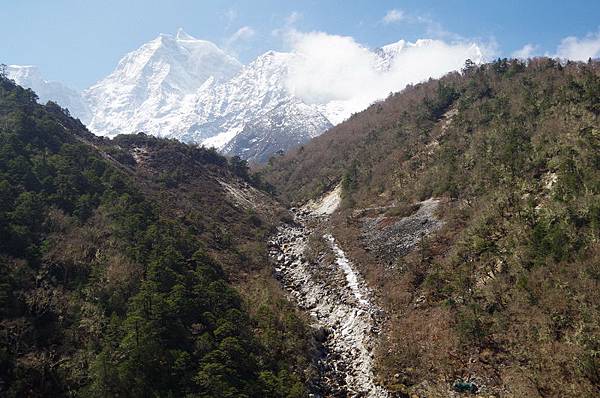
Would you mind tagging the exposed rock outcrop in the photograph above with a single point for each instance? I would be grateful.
(392, 237)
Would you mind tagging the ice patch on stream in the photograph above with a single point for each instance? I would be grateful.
(336, 297)
(344, 264)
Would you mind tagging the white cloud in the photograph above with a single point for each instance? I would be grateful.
(393, 16)
(337, 68)
(527, 51)
(242, 34)
(577, 49)
(238, 41)
(289, 23)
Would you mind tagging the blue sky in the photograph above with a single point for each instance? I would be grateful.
(78, 42)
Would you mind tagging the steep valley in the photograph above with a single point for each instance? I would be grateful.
(136, 267)
(444, 242)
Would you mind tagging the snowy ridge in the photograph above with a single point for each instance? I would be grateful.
(256, 90)
(185, 88)
(177, 86)
(31, 77)
(290, 124)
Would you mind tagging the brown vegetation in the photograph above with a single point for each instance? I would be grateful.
(506, 293)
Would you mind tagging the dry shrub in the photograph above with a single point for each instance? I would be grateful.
(420, 344)
(72, 247)
(403, 209)
(121, 271)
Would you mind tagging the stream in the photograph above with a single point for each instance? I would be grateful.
(337, 299)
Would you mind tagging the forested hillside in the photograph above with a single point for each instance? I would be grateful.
(138, 266)
(507, 292)
(135, 267)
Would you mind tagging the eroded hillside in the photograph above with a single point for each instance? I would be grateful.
(495, 287)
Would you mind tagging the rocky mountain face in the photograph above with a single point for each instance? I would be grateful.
(289, 125)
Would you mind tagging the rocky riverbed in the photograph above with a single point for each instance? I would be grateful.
(346, 319)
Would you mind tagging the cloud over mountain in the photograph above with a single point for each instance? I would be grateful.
(337, 68)
(527, 51)
(189, 89)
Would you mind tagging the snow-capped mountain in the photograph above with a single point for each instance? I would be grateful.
(387, 54)
(31, 77)
(154, 88)
(225, 109)
(290, 124)
(189, 89)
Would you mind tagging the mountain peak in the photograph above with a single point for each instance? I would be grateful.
(393, 48)
(274, 58)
